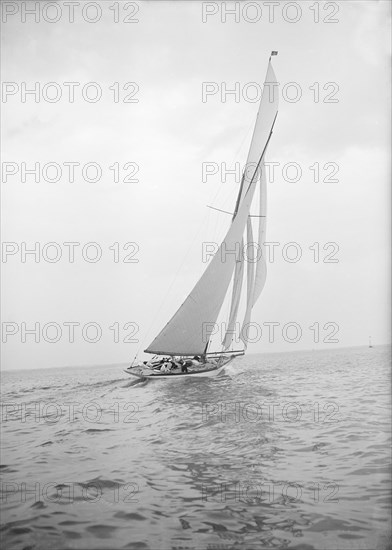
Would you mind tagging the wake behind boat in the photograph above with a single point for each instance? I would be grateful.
(181, 348)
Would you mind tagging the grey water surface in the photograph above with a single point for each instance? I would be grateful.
(285, 450)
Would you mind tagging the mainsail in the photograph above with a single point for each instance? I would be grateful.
(256, 281)
(190, 328)
(266, 117)
(235, 299)
(250, 258)
(261, 266)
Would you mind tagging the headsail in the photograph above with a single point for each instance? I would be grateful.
(189, 330)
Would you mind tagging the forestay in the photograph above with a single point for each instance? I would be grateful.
(190, 328)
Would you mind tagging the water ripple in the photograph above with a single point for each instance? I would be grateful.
(283, 451)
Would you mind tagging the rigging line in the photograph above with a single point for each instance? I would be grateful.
(219, 210)
(236, 154)
(231, 213)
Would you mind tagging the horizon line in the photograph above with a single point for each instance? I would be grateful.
(91, 365)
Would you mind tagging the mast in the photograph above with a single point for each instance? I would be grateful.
(266, 145)
(239, 196)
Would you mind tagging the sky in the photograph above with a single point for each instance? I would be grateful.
(149, 233)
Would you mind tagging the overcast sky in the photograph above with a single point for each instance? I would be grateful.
(168, 53)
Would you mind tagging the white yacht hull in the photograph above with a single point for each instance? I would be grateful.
(208, 371)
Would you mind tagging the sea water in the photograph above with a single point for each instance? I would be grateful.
(285, 450)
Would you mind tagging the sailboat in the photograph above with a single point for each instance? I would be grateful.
(181, 347)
